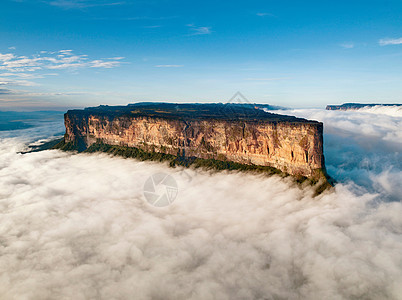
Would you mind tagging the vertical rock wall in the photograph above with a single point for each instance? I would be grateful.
(292, 147)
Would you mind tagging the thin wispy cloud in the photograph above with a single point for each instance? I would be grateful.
(66, 52)
(152, 26)
(24, 75)
(15, 93)
(136, 18)
(199, 30)
(264, 14)
(103, 64)
(5, 91)
(267, 79)
(13, 82)
(116, 58)
(63, 59)
(168, 66)
(20, 71)
(48, 94)
(79, 4)
(347, 45)
(389, 41)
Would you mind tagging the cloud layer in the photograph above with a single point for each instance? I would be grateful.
(362, 146)
(77, 226)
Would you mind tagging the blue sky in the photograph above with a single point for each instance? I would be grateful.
(75, 53)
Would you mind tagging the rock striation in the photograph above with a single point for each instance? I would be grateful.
(237, 133)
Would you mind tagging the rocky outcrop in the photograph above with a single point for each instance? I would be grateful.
(246, 135)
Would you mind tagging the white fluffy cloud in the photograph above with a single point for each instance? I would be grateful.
(77, 226)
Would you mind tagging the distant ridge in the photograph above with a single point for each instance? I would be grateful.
(353, 106)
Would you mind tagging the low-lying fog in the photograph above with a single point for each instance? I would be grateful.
(78, 226)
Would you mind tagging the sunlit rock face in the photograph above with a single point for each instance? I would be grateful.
(290, 144)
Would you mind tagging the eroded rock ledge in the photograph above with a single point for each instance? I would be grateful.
(222, 132)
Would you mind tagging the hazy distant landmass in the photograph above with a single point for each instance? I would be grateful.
(354, 106)
(261, 106)
(13, 120)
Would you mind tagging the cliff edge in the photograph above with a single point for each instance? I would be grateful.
(240, 134)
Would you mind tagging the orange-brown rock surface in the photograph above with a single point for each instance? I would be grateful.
(292, 145)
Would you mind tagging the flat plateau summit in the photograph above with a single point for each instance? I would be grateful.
(222, 134)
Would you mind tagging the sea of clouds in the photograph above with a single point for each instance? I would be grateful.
(394, 111)
(77, 226)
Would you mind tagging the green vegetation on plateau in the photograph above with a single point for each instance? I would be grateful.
(190, 111)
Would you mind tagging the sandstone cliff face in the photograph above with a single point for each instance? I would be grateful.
(292, 147)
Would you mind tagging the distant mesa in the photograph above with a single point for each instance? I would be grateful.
(355, 106)
(223, 136)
